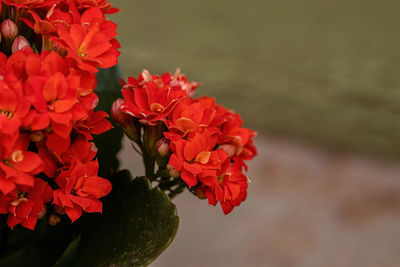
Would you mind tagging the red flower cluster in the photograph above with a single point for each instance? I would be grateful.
(205, 143)
(49, 54)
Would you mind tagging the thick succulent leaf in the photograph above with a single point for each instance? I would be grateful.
(137, 224)
(109, 143)
(68, 257)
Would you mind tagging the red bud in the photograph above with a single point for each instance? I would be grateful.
(162, 147)
(9, 29)
(54, 220)
(125, 120)
(172, 172)
(230, 149)
(145, 76)
(199, 192)
(19, 43)
(117, 115)
(36, 136)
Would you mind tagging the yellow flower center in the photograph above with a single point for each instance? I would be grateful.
(7, 113)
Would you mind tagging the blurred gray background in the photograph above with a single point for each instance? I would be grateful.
(319, 82)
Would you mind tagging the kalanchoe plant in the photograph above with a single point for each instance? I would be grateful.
(59, 177)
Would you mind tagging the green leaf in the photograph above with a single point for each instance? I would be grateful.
(137, 224)
(109, 143)
(70, 254)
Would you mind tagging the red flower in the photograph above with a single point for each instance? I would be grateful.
(63, 13)
(14, 106)
(26, 204)
(231, 189)
(89, 47)
(149, 100)
(179, 80)
(191, 115)
(17, 165)
(196, 159)
(107, 8)
(80, 189)
(31, 3)
(62, 97)
(56, 91)
(95, 123)
(236, 140)
(80, 150)
(67, 14)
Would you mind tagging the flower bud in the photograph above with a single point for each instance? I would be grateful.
(172, 172)
(145, 76)
(199, 191)
(42, 213)
(230, 149)
(116, 114)
(125, 120)
(19, 43)
(54, 220)
(60, 211)
(36, 136)
(162, 147)
(9, 29)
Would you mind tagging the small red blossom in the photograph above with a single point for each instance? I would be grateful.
(80, 189)
(31, 3)
(90, 48)
(191, 115)
(95, 123)
(196, 159)
(236, 140)
(106, 7)
(179, 80)
(80, 150)
(231, 189)
(148, 100)
(18, 165)
(14, 105)
(26, 204)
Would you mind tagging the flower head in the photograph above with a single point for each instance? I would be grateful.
(80, 189)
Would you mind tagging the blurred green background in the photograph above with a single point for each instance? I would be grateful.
(324, 72)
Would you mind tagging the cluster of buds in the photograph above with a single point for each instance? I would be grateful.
(50, 52)
(195, 142)
(9, 37)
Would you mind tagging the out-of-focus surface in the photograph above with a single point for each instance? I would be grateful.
(305, 208)
(322, 72)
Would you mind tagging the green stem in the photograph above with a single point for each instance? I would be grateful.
(177, 191)
(149, 163)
